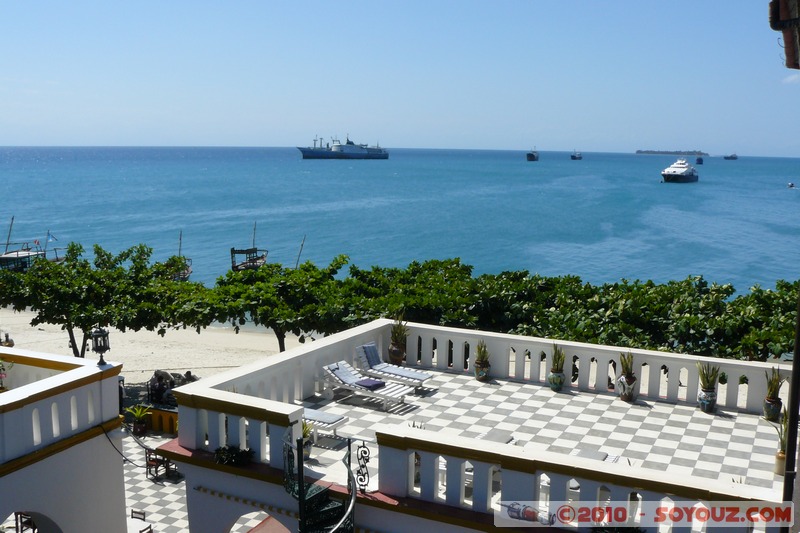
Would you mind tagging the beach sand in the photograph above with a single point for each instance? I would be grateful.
(213, 350)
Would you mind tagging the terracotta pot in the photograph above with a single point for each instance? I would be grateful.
(627, 388)
(556, 380)
(780, 463)
(397, 354)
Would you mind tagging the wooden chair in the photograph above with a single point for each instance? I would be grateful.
(148, 529)
(136, 513)
(152, 463)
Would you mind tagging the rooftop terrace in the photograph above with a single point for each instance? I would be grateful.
(447, 446)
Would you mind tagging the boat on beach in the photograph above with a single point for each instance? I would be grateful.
(533, 155)
(22, 258)
(576, 155)
(338, 150)
(679, 172)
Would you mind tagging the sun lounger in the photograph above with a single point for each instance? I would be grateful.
(322, 420)
(343, 376)
(372, 365)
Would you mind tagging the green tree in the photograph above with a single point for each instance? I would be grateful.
(301, 301)
(123, 291)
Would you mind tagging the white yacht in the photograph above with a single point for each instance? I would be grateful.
(679, 172)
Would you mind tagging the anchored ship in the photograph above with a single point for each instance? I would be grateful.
(338, 150)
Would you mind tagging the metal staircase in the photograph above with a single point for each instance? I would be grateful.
(318, 511)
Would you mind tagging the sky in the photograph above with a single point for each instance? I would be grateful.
(604, 76)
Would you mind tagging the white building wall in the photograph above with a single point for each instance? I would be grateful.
(79, 489)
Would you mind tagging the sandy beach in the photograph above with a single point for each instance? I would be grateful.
(213, 350)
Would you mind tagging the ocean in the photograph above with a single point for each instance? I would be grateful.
(605, 218)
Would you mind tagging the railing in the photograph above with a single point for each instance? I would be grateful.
(590, 365)
(210, 419)
(226, 409)
(480, 475)
(51, 398)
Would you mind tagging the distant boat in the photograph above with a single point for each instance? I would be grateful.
(698, 161)
(252, 259)
(533, 155)
(21, 259)
(576, 156)
(679, 172)
(336, 150)
(184, 274)
(732, 157)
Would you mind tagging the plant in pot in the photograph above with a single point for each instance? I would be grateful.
(139, 413)
(627, 380)
(308, 429)
(397, 341)
(773, 403)
(556, 377)
(707, 395)
(780, 455)
(482, 365)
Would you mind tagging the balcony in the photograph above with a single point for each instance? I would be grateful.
(59, 428)
(457, 451)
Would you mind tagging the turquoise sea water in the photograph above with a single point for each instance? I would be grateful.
(604, 218)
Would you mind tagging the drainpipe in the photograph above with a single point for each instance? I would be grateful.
(792, 411)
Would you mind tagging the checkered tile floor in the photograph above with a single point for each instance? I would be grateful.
(678, 438)
(730, 445)
(162, 500)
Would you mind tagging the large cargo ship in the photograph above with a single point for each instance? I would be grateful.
(338, 150)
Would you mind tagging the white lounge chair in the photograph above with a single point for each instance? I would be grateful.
(322, 420)
(343, 376)
(372, 365)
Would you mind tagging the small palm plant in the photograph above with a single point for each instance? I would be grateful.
(708, 375)
(707, 395)
(556, 377)
(772, 402)
(558, 359)
(397, 341)
(627, 381)
(482, 361)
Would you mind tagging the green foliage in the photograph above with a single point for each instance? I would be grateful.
(124, 291)
(558, 359)
(774, 382)
(299, 300)
(481, 353)
(233, 456)
(399, 333)
(138, 411)
(308, 429)
(708, 375)
(626, 363)
(783, 431)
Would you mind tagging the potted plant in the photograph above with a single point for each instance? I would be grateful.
(397, 341)
(707, 395)
(780, 455)
(627, 380)
(308, 429)
(556, 377)
(773, 403)
(139, 413)
(482, 365)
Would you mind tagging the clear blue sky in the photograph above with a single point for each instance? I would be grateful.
(561, 75)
